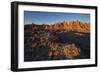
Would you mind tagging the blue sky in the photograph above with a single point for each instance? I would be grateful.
(53, 17)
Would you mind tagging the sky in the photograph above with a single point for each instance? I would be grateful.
(53, 17)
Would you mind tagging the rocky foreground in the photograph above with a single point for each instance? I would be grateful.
(63, 40)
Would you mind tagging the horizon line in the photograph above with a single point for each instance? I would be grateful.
(58, 22)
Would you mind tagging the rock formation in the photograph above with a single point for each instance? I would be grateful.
(70, 26)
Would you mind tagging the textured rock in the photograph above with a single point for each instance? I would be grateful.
(70, 26)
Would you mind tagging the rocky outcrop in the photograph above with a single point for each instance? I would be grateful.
(62, 40)
(70, 26)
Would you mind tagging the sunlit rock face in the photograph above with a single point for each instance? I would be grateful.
(70, 26)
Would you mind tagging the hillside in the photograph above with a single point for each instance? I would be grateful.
(62, 40)
(70, 26)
